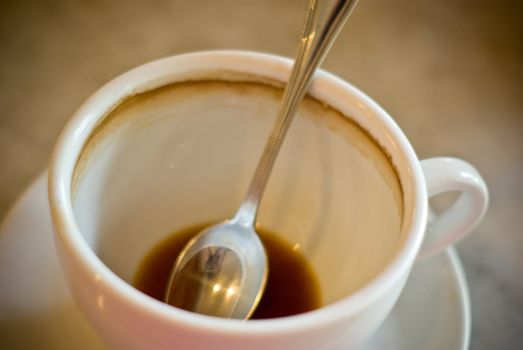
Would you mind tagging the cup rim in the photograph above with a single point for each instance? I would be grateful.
(162, 72)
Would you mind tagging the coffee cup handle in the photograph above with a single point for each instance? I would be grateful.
(456, 221)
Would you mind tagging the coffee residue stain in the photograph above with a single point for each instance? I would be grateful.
(322, 114)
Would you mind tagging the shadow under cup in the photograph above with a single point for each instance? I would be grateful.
(184, 154)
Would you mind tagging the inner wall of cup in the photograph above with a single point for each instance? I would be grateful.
(148, 172)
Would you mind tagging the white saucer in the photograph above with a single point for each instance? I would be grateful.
(37, 311)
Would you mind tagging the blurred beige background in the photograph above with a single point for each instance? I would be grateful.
(449, 71)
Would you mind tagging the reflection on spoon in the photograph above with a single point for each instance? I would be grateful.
(208, 282)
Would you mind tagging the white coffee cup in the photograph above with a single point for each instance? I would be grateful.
(93, 192)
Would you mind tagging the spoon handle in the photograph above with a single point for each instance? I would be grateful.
(314, 44)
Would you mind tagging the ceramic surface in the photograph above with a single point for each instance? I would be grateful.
(36, 309)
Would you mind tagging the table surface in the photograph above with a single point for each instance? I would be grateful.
(450, 72)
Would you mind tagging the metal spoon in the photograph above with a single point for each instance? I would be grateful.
(223, 270)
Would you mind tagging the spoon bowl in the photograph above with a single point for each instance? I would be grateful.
(221, 272)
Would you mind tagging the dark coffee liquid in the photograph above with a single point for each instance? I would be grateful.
(292, 287)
